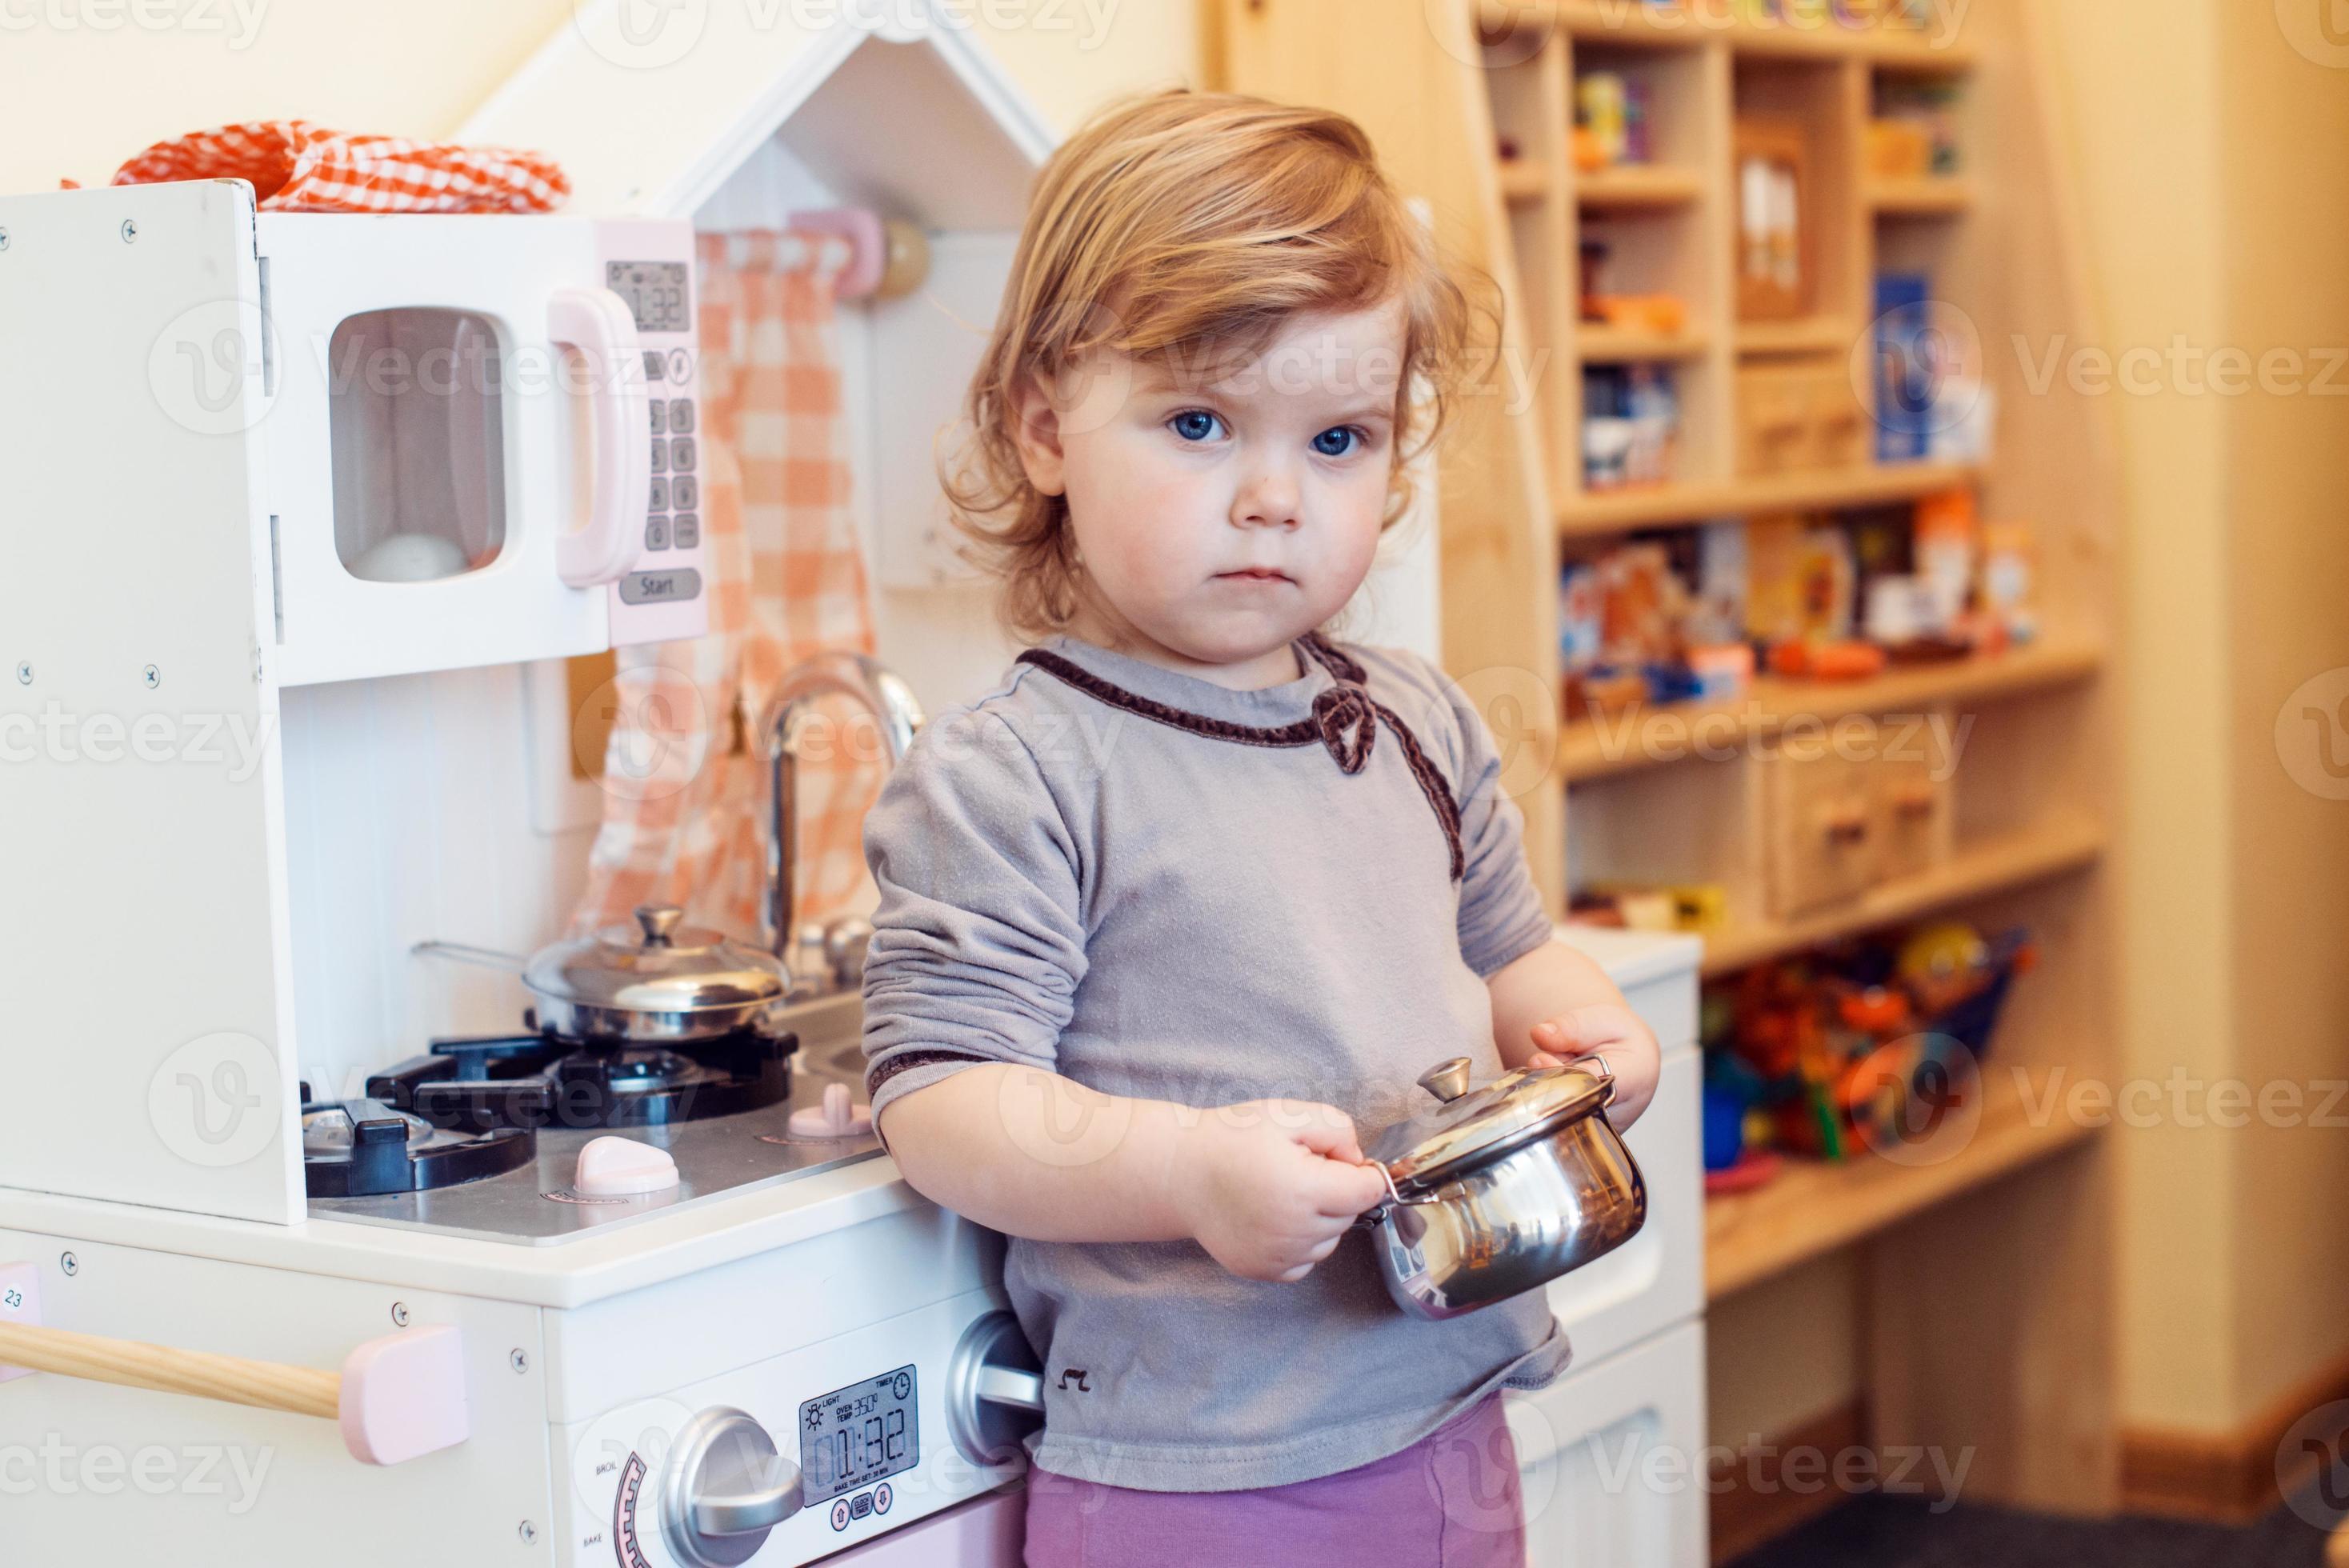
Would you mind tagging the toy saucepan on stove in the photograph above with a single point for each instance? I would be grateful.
(1498, 1189)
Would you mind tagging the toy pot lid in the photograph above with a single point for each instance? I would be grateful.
(658, 965)
(1470, 1126)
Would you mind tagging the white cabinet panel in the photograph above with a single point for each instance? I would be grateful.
(1610, 1458)
(1657, 1277)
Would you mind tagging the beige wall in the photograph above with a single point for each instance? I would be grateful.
(419, 66)
(2286, 219)
(2213, 161)
(2136, 81)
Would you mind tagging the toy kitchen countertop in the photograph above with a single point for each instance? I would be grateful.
(747, 1185)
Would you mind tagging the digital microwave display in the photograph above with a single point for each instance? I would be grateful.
(854, 1436)
(654, 292)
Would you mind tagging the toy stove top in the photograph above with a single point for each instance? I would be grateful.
(481, 1137)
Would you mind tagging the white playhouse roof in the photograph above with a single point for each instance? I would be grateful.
(651, 106)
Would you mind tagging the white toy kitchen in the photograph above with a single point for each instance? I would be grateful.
(326, 1249)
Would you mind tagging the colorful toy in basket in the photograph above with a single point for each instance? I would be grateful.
(1843, 1047)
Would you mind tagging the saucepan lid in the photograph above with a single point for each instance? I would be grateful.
(1470, 1125)
(658, 965)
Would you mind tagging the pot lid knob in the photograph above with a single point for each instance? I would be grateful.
(1447, 1081)
(658, 919)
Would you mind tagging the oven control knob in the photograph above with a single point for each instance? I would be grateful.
(995, 1391)
(726, 1488)
(613, 1167)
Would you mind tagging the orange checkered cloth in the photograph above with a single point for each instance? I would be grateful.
(686, 777)
(297, 167)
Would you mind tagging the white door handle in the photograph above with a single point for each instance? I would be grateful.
(596, 322)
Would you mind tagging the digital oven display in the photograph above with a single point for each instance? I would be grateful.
(855, 1436)
(654, 292)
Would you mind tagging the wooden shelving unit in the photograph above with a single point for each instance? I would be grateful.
(1609, 512)
(1649, 738)
(2028, 799)
(1999, 865)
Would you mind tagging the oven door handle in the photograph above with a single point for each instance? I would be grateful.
(597, 325)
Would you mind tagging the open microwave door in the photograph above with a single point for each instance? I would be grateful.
(146, 1042)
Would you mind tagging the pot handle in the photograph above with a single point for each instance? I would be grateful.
(1378, 1211)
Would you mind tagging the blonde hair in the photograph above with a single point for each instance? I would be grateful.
(1180, 227)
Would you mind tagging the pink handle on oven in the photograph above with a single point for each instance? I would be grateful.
(596, 322)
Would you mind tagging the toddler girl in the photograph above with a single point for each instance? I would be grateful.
(1181, 910)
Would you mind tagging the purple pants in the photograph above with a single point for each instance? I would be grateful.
(1449, 1501)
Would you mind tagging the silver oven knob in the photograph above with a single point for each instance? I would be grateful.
(995, 1391)
(727, 1487)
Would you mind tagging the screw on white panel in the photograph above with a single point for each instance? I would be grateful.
(130, 231)
(24, 674)
(518, 1362)
(3, 238)
(154, 677)
(399, 1314)
(70, 1263)
(529, 1533)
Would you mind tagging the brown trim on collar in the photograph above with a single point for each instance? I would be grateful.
(1345, 720)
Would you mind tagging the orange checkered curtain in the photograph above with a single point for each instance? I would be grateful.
(684, 773)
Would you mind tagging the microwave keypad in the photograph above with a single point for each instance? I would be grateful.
(674, 485)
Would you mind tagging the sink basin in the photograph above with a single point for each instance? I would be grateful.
(830, 1028)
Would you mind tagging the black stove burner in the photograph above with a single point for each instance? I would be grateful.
(478, 1084)
(364, 1147)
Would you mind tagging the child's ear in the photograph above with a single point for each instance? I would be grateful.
(1036, 427)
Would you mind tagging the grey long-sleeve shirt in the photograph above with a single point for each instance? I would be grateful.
(1166, 889)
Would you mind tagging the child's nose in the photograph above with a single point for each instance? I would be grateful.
(1267, 501)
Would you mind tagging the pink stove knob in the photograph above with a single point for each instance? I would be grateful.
(613, 1167)
(835, 1118)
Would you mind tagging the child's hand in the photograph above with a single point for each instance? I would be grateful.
(1615, 1034)
(1270, 1187)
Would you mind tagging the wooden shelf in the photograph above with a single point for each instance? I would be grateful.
(1638, 186)
(1811, 335)
(2014, 860)
(1596, 345)
(1871, 484)
(1630, 23)
(1599, 748)
(1524, 179)
(1814, 1208)
(1941, 196)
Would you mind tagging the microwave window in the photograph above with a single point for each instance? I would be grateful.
(654, 292)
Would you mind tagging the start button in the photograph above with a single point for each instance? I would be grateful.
(660, 587)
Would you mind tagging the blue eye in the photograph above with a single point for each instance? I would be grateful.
(1345, 436)
(1196, 425)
